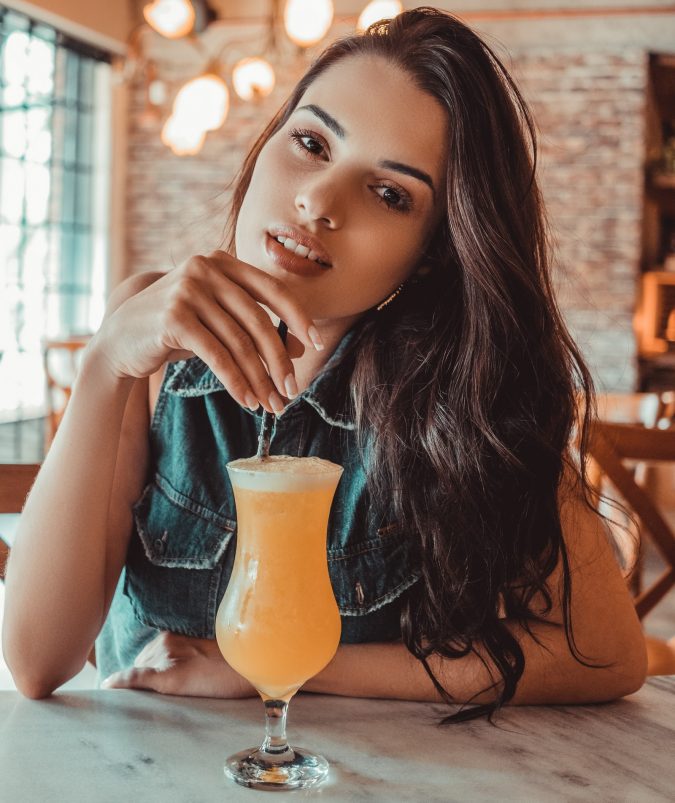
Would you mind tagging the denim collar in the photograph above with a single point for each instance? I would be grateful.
(328, 393)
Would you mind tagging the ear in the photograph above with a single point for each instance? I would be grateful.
(423, 271)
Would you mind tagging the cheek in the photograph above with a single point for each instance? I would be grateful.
(272, 170)
(385, 245)
(260, 205)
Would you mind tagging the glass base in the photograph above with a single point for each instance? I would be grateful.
(292, 769)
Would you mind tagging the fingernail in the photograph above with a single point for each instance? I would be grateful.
(291, 386)
(107, 683)
(251, 402)
(276, 402)
(315, 337)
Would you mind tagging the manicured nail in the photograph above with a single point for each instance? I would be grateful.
(251, 402)
(291, 386)
(315, 337)
(276, 402)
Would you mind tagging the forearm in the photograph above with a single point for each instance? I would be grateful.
(56, 572)
(551, 675)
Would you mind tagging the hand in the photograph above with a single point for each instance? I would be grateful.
(209, 307)
(175, 664)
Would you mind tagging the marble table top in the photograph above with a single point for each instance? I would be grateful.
(114, 745)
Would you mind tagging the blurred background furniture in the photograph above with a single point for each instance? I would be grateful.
(15, 482)
(60, 360)
(615, 449)
(645, 410)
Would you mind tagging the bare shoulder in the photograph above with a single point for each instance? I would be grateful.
(154, 385)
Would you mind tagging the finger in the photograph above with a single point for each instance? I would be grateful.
(172, 680)
(256, 322)
(194, 336)
(274, 293)
(144, 655)
(245, 350)
(256, 333)
(153, 654)
(134, 678)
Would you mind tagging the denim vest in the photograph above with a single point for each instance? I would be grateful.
(182, 549)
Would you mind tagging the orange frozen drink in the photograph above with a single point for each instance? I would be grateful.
(278, 624)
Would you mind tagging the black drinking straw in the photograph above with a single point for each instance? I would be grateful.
(268, 418)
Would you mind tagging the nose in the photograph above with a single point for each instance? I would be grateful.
(318, 201)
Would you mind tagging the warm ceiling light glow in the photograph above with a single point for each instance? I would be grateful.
(253, 78)
(182, 136)
(171, 18)
(378, 10)
(204, 101)
(308, 21)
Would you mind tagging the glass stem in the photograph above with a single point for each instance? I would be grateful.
(275, 729)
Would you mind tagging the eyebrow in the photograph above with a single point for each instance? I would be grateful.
(408, 170)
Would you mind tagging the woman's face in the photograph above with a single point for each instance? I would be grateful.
(359, 169)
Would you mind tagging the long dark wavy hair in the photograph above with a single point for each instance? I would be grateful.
(467, 387)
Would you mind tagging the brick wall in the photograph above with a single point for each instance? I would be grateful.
(587, 96)
(589, 110)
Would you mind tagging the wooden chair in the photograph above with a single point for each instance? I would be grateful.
(647, 410)
(16, 481)
(666, 417)
(610, 446)
(630, 408)
(60, 384)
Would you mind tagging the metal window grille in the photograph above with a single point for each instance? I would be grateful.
(54, 186)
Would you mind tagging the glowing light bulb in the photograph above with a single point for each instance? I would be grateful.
(378, 10)
(253, 78)
(307, 21)
(204, 100)
(182, 136)
(171, 18)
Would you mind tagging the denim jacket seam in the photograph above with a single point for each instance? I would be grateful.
(183, 382)
(212, 596)
(336, 554)
(197, 390)
(341, 422)
(208, 562)
(160, 404)
(186, 503)
(380, 602)
(142, 617)
(301, 436)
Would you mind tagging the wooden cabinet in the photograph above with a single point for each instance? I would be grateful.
(655, 316)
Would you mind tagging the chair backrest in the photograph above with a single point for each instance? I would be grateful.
(15, 482)
(667, 410)
(630, 408)
(60, 384)
(609, 445)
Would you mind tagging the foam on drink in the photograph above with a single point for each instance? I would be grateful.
(283, 473)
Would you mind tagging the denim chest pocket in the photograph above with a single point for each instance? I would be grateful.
(176, 560)
(372, 573)
(178, 532)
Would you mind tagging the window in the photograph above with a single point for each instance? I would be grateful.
(54, 188)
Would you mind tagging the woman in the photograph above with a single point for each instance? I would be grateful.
(426, 355)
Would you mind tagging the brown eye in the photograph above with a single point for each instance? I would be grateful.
(306, 142)
(393, 198)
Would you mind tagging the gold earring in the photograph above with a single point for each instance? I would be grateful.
(391, 297)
